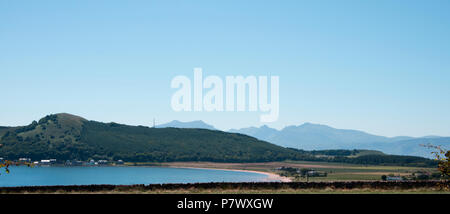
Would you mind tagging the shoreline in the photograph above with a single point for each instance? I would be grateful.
(271, 177)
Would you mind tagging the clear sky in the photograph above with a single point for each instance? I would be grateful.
(381, 66)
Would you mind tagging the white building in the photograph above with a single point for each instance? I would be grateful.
(394, 178)
(25, 159)
(45, 162)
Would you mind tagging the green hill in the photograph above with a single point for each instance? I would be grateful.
(66, 137)
(69, 137)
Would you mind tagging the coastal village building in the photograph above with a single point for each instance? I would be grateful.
(25, 159)
(102, 162)
(45, 162)
(394, 178)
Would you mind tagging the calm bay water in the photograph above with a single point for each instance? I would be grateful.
(41, 176)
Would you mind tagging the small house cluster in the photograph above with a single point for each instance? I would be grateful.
(49, 162)
(303, 172)
(46, 162)
(417, 175)
(394, 178)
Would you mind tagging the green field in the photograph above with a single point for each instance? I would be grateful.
(335, 171)
(343, 172)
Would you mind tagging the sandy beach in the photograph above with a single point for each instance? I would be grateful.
(271, 177)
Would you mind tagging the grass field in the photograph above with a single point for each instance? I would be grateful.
(290, 191)
(335, 171)
(347, 187)
(267, 191)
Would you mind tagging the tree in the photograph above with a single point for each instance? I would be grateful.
(383, 177)
(7, 163)
(4, 163)
(442, 156)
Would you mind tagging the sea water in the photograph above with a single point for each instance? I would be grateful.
(123, 175)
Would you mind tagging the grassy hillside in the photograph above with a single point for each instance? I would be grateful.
(170, 144)
(68, 137)
(65, 136)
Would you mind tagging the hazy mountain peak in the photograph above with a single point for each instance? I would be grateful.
(314, 125)
(431, 136)
(197, 124)
(266, 127)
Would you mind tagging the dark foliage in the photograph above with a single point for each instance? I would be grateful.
(68, 137)
(398, 185)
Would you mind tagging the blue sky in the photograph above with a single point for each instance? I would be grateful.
(378, 66)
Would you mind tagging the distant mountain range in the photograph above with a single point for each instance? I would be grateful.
(310, 136)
